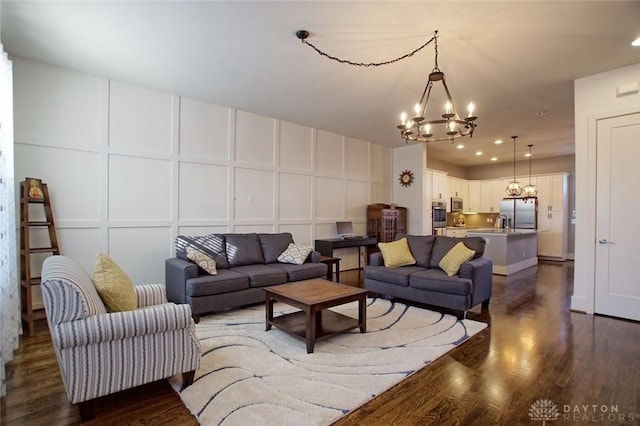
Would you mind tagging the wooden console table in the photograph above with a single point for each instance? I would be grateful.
(326, 246)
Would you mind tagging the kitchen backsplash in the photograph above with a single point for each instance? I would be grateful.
(477, 220)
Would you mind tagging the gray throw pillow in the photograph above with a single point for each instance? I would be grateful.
(212, 245)
(274, 244)
(243, 249)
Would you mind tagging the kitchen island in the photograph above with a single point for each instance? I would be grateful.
(511, 250)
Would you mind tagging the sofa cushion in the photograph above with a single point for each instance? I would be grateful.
(302, 272)
(213, 245)
(262, 275)
(206, 263)
(437, 280)
(243, 249)
(295, 254)
(397, 276)
(224, 282)
(114, 285)
(421, 247)
(451, 261)
(396, 253)
(273, 245)
(443, 244)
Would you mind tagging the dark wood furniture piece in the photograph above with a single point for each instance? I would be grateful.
(314, 321)
(35, 215)
(326, 246)
(384, 222)
(331, 262)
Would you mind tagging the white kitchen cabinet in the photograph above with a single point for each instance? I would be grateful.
(552, 192)
(440, 188)
(459, 188)
(473, 205)
(491, 192)
(552, 235)
(457, 233)
(552, 216)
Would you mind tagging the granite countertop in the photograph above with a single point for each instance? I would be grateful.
(502, 231)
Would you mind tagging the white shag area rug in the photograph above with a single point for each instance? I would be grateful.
(249, 376)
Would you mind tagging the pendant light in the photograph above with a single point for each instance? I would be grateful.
(530, 191)
(514, 189)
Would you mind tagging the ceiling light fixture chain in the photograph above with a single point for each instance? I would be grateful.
(513, 188)
(448, 126)
(303, 35)
(530, 191)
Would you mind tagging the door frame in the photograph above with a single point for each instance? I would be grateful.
(586, 212)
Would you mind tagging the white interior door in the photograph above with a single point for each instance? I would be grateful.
(617, 290)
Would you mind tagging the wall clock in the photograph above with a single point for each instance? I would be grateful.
(406, 178)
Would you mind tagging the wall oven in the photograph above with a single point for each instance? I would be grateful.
(439, 217)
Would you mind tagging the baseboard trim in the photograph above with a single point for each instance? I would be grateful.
(515, 267)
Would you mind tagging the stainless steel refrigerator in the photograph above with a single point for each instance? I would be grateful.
(522, 215)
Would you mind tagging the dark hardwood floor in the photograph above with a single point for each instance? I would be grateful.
(535, 350)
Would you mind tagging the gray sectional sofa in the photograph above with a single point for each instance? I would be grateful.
(245, 263)
(426, 283)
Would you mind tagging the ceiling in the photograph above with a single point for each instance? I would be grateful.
(512, 59)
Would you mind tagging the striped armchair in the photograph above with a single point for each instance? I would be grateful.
(100, 353)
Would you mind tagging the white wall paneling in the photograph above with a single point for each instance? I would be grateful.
(296, 147)
(255, 139)
(204, 131)
(302, 233)
(357, 200)
(329, 153)
(141, 120)
(139, 188)
(73, 178)
(141, 251)
(203, 192)
(295, 196)
(357, 159)
(254, 194)
(330, 194)
(130, 168)
(57, 107)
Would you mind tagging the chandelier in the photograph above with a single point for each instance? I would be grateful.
(530, 190)
(448, 126)
(514, 189)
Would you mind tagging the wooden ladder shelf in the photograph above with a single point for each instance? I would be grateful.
(34, 196)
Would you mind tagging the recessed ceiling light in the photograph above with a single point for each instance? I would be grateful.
(494, 158)
(636, 42)
(460, 146)
(478, 153)
(542, 112)
(498, 141)
(528, 154)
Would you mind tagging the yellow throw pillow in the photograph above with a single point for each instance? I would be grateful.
(396, 253)
(113, 285)
(452, 261)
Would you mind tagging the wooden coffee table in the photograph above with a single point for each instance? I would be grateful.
(313, 297)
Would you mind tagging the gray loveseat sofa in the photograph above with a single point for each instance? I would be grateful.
(245, 263)
(426, 283)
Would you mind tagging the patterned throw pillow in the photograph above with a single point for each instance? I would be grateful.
(452, 261)
(396, 253)
(295, 254)
(113, 285)
(202, 260)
